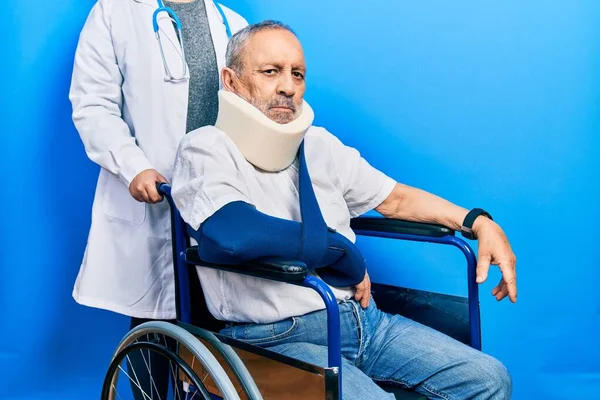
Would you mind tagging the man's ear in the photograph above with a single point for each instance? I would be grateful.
(229, 79)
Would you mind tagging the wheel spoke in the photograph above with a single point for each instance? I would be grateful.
(148, 366)
(137, 384)
(117, 392)
(175, 375)
(184, 373)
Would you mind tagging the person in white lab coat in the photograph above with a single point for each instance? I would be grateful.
(131, 119)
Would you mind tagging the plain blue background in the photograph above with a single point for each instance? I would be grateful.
(492, 104)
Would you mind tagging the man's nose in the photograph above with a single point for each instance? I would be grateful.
(286, 86)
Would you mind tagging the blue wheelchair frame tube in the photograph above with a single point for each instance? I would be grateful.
(473, 290)
(334, 342)
(180, 244)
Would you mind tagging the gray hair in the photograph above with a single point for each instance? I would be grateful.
(235, 47)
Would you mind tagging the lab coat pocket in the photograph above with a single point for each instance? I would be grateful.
(118, 203)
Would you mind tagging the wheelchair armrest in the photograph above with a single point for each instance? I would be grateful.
(375, 224)
(288, 271)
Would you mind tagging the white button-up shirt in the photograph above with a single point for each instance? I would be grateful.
(210, 172)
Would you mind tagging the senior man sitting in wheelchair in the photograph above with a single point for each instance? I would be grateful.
(247, 181)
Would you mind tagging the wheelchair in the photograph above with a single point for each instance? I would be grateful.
(206, 365)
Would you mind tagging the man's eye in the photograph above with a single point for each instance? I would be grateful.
(270, 72)
(298, 75)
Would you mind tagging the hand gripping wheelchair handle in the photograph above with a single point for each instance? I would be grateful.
(163, 188)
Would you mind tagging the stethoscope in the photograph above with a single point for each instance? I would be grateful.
(161, 7)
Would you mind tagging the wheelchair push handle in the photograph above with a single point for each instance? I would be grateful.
(163, 188)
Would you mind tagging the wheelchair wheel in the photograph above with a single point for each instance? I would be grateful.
(164, 343)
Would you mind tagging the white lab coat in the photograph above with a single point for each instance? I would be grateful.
(129, 120)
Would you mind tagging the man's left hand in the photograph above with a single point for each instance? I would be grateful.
(495, 249)
(363, 291)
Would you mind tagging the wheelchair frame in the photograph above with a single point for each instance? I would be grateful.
(296, 273)
(291, 272)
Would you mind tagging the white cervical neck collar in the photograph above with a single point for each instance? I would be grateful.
(264, 143)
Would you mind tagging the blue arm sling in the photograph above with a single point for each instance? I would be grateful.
(238, 233)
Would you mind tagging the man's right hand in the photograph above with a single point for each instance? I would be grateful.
(143, 186)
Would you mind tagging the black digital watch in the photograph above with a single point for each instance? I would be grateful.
(467, 227)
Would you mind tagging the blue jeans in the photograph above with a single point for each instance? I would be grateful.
(377, 346)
